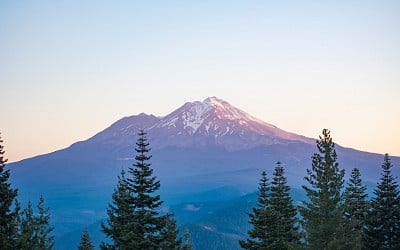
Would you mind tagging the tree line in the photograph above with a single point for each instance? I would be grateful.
(21, 228)
(134, 217)
(334, 216)
(331, 218)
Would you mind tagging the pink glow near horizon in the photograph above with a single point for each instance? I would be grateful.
(70, 69)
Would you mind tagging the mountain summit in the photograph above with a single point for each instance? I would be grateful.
(211, 122)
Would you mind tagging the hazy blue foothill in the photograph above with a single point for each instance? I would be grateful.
(208, 156)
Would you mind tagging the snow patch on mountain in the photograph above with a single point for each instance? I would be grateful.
(195, 115)
(225, 111)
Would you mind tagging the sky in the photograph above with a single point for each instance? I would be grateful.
(69, 69)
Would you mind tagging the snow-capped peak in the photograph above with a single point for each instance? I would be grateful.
(199, 123)
(212, 113)
(226, 111)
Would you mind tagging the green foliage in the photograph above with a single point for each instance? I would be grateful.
(120, 216)
(284, 231)
(382, 230)
(29, 231)
(148, 222)
(34, 232)
(8, 212)
(322, 214)
(355, 210)
(275, 225)
(26, 239)
(43, 226)
(134, 221)
(170, 235)
(86, 241)
(260, 219)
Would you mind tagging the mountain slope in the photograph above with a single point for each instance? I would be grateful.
(211, 122)
(200, 146)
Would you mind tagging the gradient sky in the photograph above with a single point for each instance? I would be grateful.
(68, 69)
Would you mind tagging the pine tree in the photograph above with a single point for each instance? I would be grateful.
(260, 218)
(35, 229)
(143, 185)
(86, 241)
(134, 219)
(171, 241)
(27, 237)
(45, 240)
(187, 245)
(120, 217)
(355, 210)
(322, 214)
(8, 212)
(284, 232)
(382, 230)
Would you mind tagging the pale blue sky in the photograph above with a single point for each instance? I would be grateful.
(69, 69)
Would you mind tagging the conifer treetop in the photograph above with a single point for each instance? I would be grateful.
(382, 230)
(86, 241)
(324, 207)
(8, 214)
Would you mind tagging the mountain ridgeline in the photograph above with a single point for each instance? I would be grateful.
(208, 156)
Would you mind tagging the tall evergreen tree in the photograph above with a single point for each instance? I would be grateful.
(322, 214)
(355, 210)
(260, 218)
(382, 230)
(143, 185)
(86, 241)
(8, 212)
(134, 219)
(120, 217)
(45, 239)
(284, 232)
(35, 230)
(27, 237)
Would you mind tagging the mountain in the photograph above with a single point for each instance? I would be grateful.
(206, 151)
(213, 122)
